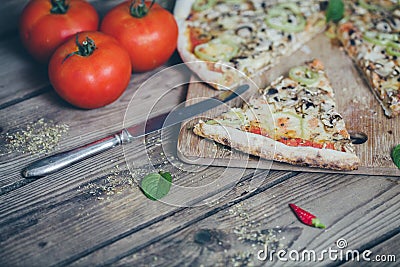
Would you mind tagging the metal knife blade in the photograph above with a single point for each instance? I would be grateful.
(181, 114)
(62, 160)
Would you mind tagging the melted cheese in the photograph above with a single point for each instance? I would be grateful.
(259, 43)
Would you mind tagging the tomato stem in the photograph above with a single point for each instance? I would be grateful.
(139, 10)
(59, 7)
(85, 49)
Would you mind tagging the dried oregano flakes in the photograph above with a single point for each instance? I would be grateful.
(38, 137)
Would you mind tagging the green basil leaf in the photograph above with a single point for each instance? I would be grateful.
(396, 155)
(156, 185)
(335, 10)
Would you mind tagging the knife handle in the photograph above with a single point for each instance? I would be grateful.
(62, 160)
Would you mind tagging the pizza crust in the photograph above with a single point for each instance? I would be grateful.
(270, 149)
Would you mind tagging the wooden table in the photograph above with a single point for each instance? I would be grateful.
(94, 213)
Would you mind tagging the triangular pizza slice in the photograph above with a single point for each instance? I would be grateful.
(294, 120)
(370, 35)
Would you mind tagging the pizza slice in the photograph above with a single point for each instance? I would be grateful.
(371, 37)
(294, 120)
(249, 36)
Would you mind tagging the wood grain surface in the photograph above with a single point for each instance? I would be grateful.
(238, 230)
(360, 110)
(94, 213)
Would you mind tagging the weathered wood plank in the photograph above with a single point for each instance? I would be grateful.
(341, 202)
(360, 110)
(84, 125)
(385, 253)
(388, 251)
(90, 214)
(20, 76)
(10, 12)
(180, 220)
(35, 217)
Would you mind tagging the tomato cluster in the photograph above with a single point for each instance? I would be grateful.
(91, 68)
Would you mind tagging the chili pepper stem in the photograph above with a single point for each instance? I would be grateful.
(317, 223)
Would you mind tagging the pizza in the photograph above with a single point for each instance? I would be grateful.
(370, 35)
(249, 36)
(293, 120)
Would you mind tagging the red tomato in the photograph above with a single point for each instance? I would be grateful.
(43, 25)
(330, 146)
(317, 145)
(255, 129)
(93, 77)
(150, 40)
(307, 143)
(292, 142)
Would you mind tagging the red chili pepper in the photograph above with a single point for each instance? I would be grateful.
(306, 217)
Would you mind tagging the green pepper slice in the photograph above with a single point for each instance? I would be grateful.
(216, 50)
(290, 6)
(373, 7)
(201, 5)
(212, 122)
(279, 18)
(379, 38)
(304, 75)
(234, 1)
(367, 6)
(393, 49)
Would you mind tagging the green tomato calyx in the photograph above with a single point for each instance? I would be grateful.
(59, 7)
(139, 9)
(85, 49)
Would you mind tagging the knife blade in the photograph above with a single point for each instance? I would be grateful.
(62, 160)
(181, 114)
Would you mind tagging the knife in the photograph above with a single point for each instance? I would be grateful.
(62, 160)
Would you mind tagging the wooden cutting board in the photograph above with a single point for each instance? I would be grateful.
(360, 110)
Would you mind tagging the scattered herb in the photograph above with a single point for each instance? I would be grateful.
(248, 231)
(36, 137)
(113, 182)
(156, 185)
(335, 10)
(396, 155)
(306, 217)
